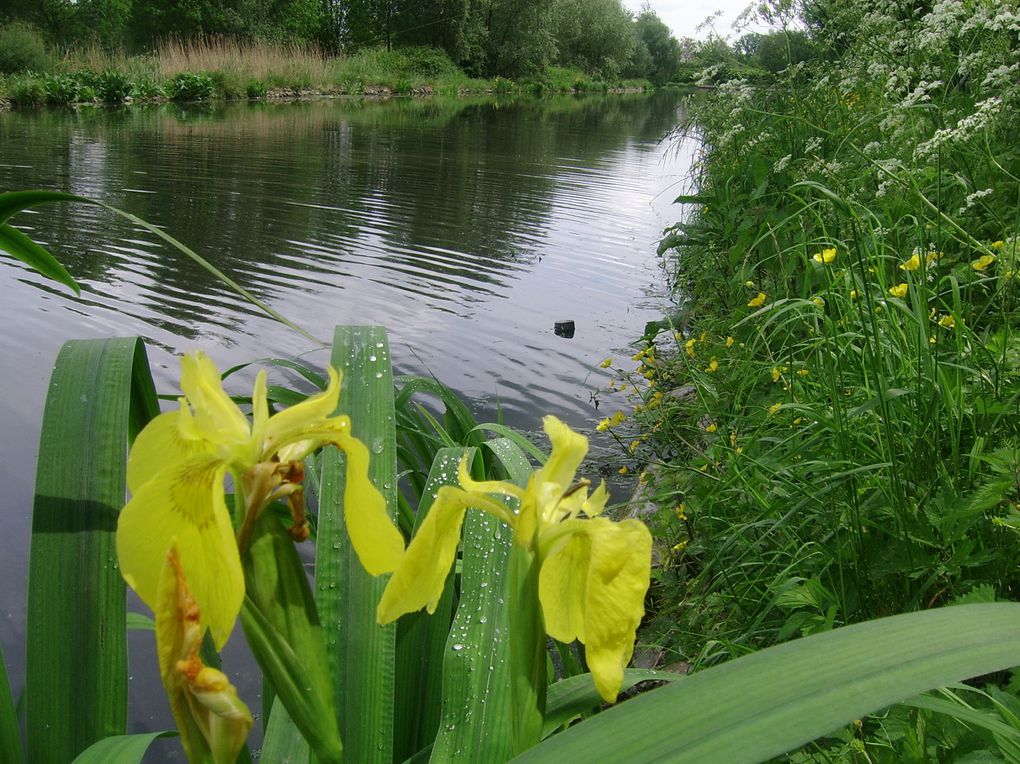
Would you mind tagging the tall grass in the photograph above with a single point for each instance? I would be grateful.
(832, 421)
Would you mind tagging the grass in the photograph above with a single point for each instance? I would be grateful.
(829, 422)
(237, 69)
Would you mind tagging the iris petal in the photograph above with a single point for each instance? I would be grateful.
(184, 501)
(592, 588)
(215, 416)
(158, 444)
(315, 409)
(421, 576)
(376, 540)
(568, 451)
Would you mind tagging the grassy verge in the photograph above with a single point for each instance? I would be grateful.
(829, 425)
(228, 69)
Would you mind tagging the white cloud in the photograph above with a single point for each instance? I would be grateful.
(684, 16)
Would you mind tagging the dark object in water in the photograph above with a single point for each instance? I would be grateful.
(564, 329)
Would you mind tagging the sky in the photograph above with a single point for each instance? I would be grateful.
(684, 16)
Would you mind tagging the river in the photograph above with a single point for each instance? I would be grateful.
(468, 228)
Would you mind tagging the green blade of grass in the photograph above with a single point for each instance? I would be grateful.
(120, 749)
(421, 638)
(76, 688)
(13, 202)
(10, 735)
(18, 245)
(476, 705)
(576, 695)
(764, 704)
(362, 658)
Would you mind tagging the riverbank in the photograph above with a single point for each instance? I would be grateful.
(228, 70)
(828, 425)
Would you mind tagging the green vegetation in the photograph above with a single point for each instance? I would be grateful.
(829, 423)
(305, 46)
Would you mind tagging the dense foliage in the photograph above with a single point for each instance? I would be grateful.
(833, 413)
(486, 38)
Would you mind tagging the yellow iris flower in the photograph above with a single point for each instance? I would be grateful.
(593, 572)
(176, 473)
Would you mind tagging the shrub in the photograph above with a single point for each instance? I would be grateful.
(62, 88)
(113, 87)
(22, 49)
(148, 90)
(256, 89)
(190, 87)
(28, 92)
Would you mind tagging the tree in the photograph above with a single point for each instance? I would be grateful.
(664, 52)
(595, 35)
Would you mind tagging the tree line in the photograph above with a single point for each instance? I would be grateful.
(487, 38)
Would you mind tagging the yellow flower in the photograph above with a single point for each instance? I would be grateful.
(777, 372)
(900, 290)
(633, 445)
(853, 294)
(733, 440)
(712, 427)
(624, 470)
(947, 321)
(713, 366)
(681, 511)
(802, 372)
(912, 264)
(982, 262)
(818, 301)
(729, 342)
(749, 284)
(593, 573)
(932, 257)
(997, 244)
(689, 346)
(826, 256)
(603, 425)
(213, 721)
(605, 363)
(758, 301)
(176, 472)
(617, 419)
(774, 408)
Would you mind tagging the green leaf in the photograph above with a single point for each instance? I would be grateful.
(421, 638)
(120, 749)
(76, 656)
(10, 735)
(362, 653)
(13, 202)
(282, 626)
(139, 622)
(283, 741)
(18, 245)
(764, 704)
(576, 695)
(475, 720)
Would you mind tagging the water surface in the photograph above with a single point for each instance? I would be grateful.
(466, 228)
